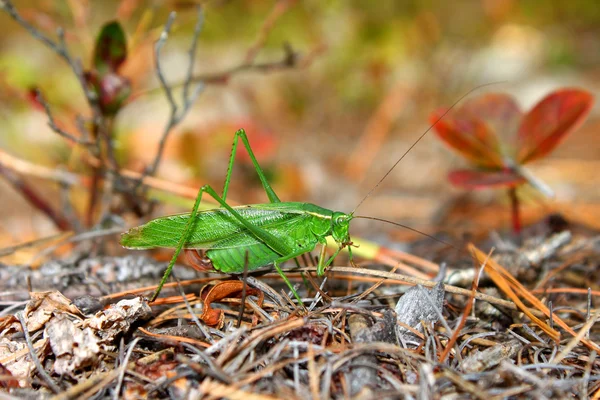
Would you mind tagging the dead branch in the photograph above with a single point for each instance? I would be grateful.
(52, 123)
(187, 100)
(279, 8)
(35, 199)
(36, 360)
(60, 48)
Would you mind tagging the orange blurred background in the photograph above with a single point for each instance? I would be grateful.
(369, 74)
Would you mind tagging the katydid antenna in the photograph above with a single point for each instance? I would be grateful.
(418, 140)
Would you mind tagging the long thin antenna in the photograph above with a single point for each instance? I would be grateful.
(419, 139)
(410, 229)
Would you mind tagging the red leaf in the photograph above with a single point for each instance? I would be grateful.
(470, 137)
(470, 179)
(550, 121)
(499, 111)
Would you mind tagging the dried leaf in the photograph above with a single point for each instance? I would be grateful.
(20, 367)
(363, 330)
(73, 347)
(117, 319)
(481, 360)
(215, 317)
(9, 324)
(44, 305)
(7, 383)
(158, 369)
(419, 304)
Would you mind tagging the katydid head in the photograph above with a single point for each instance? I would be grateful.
(340, 225)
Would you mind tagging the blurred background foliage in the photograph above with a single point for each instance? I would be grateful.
(368, 76)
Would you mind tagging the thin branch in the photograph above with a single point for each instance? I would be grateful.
(59, 47)
(279, 8)
(123, 367)
(192, 55)
(68, 178)
(176, 115)
(101, 145)
(290, 60)
(38, 364)
(80, 124)
(35, 199)
(39, 171)
(52, 123)
(159, 72)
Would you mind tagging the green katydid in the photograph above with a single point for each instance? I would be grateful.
(253, 236)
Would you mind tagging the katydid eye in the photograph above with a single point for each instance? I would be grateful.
(339, 220)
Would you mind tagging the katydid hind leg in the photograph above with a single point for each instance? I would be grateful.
(241, 134)
(273, 198)
(276, 244)
(273, 242)
(180, 244)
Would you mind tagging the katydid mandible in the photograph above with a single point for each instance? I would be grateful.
(255, 236)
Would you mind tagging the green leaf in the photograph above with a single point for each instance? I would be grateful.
(111, 48)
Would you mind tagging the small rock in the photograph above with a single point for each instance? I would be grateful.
(419, 304)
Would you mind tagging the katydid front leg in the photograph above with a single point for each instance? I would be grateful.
(322, 265)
